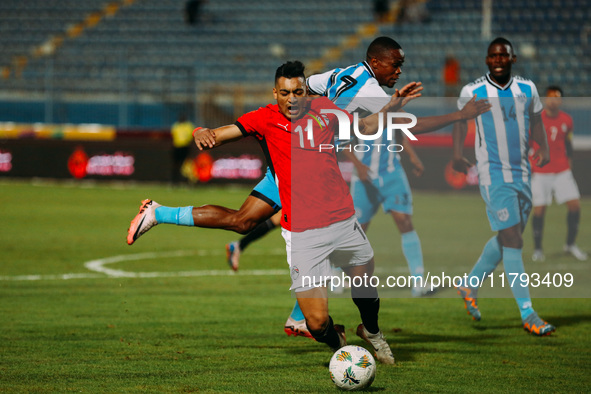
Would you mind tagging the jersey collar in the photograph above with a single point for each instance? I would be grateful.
(368, 68)
(496, 85)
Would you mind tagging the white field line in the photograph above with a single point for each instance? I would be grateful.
(101, 271)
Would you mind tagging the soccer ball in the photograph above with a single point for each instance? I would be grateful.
(352, 368)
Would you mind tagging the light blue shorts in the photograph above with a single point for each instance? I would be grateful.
(507, 204)
(268, 191)
(391, 190)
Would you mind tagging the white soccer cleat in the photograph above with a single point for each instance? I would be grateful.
(297, 328)
(538, 255)
(576, 252)
(143, 221)
(378, 342)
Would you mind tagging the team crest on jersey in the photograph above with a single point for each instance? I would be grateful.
(503, 214)
(521, 98)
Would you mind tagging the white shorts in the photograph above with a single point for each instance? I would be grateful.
(310, 253)
(562, 185)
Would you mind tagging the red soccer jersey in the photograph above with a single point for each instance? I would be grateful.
(313, 194)
(558, 129)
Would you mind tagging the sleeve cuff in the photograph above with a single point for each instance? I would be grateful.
(242, 129)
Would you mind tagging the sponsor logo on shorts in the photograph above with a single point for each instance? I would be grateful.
(295, 273)
(503, 215)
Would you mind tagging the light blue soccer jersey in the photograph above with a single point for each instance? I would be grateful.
(502, 134)
(355, 89)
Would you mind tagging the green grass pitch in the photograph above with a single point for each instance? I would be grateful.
(188, 326)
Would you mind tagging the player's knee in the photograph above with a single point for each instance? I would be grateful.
(403, 222)
(511, 240)
(242, 224)
(573, 205)
(317, 321)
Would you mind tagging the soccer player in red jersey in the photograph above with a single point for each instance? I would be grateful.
(318, 218)
(556, 178)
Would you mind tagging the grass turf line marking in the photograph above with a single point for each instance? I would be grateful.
(51, 277)
(98, 266)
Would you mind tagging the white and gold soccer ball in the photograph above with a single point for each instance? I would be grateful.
(352, 368)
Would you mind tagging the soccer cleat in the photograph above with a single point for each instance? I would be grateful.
(143, 221)
(575, 251)
(233, 255)
(536, 326)
(538, 255)
(469, 302)
(340, 329)
(297, 328)
(381, 348)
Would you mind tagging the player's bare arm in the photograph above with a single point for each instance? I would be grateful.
(542, 155)
(207, 138)
(460, 163)
(417, 164)
(471, 110)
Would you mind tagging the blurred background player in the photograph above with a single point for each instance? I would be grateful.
(504, 173)
(235, 248)
(556, 179)
(450, 74)
(182, 140)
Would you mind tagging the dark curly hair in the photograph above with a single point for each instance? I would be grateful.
(293, 69)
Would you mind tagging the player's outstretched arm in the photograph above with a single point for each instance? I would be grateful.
(471, 110)
(208, 139)
(460, 163)
(542, 155)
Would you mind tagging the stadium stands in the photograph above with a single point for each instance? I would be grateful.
(142, 50)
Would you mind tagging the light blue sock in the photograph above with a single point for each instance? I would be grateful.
(487, 262)
(296, 313)
(182, 216)
(411, 248)
(513, 262)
